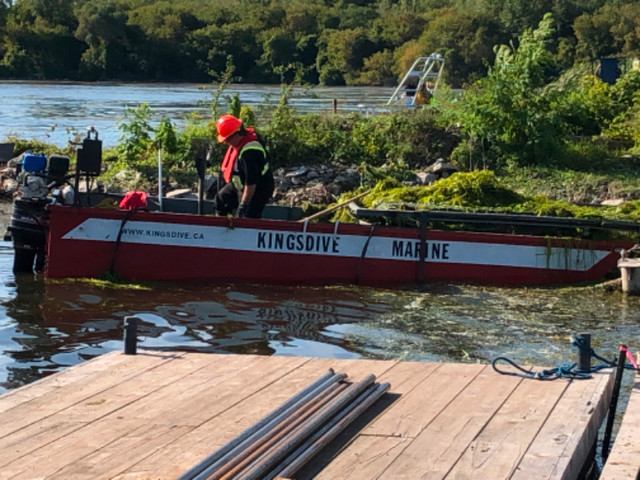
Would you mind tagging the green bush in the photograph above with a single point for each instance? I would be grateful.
(411, 137)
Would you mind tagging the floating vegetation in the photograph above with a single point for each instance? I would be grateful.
(104, 283)
(482, 191)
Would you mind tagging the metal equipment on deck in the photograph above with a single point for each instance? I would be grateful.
(419, 83)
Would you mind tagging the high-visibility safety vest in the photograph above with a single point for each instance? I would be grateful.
(249, 142)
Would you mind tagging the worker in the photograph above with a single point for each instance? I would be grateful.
(246, 180)
(423, 97)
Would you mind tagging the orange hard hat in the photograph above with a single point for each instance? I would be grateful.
(226, 126)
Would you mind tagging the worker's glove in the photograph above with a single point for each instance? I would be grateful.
(243, 209)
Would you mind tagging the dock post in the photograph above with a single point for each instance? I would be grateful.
(130, 335)
(606, 439)
(584, 352)
(630, 275)
(335, 105)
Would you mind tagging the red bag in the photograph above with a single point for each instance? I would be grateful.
(133, 200)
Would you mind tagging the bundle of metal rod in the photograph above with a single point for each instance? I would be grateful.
(257, 429)
(290, 436)
(296, 460)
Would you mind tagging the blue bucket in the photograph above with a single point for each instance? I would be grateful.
(34, 163)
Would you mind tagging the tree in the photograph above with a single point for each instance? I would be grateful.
(342, 55)
(160, 51)
(211, 46)
(464, 41)
(611, 30)
(103, 27)
(512, 114)
(378, 69)
(38, 41)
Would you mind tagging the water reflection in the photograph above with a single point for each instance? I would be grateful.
(29, 346)
(46, 326)
(55, 324)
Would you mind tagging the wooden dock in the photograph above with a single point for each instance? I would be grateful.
(154, 415)
(623, 461)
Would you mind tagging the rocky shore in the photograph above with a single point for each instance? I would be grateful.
(322, 185)
(311, 184)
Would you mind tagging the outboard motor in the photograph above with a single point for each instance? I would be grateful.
(29, 218)
(28, 225)
(42, 186)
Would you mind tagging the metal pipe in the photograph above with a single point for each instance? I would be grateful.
(247, 453)
(226, 459)
(293, 454)
(323, 437)
(497, 218)
(274, 437)
(273, 444)
(606, 439)
(160, 175)
(330, 376)
(265, 463)
(208, 466)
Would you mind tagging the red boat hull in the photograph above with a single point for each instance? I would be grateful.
(83, 242)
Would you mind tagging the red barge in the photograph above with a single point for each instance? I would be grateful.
(147, 245)
(176, 239)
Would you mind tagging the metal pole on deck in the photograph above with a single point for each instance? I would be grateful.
(130, 335)
(584, 352)
(614, 402)
(160, 174)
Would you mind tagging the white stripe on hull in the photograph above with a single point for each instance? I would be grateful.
(329, 244)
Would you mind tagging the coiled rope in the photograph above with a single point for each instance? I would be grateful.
(567, 370)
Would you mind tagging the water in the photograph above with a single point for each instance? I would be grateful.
(46, 326)
(55, 112)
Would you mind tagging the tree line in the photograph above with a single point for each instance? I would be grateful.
(343, 42)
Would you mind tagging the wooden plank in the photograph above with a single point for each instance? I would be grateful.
(107, 392)
(441, 443)
(77, 410)
(254, 405)
(112, 362)
(365, 458)
(155, 416)
(51, 458)
(122, 453)
(404, 377)
(498, 448)
(624, 458)
(566, 439)
(112, 418)
(72, 386)
(200, 391)
(412, 413)
(145, 384)
(44, 432)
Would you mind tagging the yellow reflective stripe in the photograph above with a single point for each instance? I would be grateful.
(255, 145)
(237, 183)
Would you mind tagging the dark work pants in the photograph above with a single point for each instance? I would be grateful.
(226, 200)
